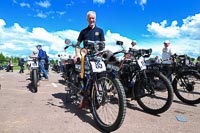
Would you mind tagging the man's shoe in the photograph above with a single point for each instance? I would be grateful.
(83, 104)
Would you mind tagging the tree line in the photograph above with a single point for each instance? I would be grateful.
(5, 59)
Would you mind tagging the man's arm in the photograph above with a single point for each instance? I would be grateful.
(77, 49)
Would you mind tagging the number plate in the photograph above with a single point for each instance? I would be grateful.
(141, 63)
(33, 64)
(78, 67)
(112, 67)
(98, 66)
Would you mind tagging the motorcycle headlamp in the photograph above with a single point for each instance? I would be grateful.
(128, 56)
(100, 46)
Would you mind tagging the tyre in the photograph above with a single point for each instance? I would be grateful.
(71, 90)
(108, 103)
(35, 80)
(154, 94)
(187, 87)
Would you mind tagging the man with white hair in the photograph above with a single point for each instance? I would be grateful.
(92, 33)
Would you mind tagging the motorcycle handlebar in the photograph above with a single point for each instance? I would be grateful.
(140, 52)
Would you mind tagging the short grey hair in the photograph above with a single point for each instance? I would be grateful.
(91, 12)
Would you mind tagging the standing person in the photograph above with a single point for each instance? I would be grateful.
(21, 64)
(92, 33)
(157, 60)
(47, 62)
(30, 59)
(166, 58)
(41, 58)
(167, 53)
(133, 43)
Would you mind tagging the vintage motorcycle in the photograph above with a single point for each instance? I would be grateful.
(34, 74)
(101, 92)
(186, 79)
(151, 89)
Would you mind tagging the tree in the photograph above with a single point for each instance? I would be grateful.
(198, 58)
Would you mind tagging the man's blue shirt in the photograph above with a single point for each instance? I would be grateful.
(95, 34)
(41, 55)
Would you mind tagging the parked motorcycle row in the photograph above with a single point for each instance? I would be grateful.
(101, 82)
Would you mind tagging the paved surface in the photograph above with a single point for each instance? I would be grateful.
(22, 111)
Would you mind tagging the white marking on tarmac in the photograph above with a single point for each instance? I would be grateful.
(54, 84)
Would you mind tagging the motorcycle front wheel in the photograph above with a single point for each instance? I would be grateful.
(187, 87)
(35, 80)
(108, 102)
(154, 93)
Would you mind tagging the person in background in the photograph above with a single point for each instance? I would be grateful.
(30, 59)
(167, 53)
(47, 64)
(134, 44)
(157, 60)
(166, 58)
(41, 59)
(21, 64)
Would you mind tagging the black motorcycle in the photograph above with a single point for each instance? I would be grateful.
(186, 79)
(34, 74)
(150, 88)
(9, 68)
(89, 84)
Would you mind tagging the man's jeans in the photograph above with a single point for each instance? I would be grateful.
(41, 63)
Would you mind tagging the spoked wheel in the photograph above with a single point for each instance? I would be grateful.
(108, 103)
(35, 80)
(155, 95)
(187, 87)
(70, 88)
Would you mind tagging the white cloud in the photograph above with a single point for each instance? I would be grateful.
(111, 39)
(191, 26)
(189, 29)
(99, 1)
(142, 3)
(185, 38)
(2, 23)
(10, 45)
(161, 30)
(18, 28)
(44, 4)
(61, 13)
(71, 3)
(14, 1)
(41, 15)
(23, 4)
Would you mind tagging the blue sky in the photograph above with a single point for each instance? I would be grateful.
(26, 23)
